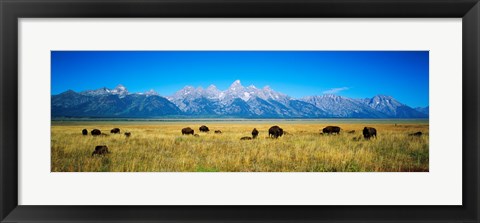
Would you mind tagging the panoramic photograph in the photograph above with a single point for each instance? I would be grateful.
(239, 111)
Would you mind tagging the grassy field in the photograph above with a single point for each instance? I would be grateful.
(160, 147)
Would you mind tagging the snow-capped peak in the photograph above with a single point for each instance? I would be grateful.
(121, 87)
(151, 92)
(332, 96)
(384, 103)
(236, 85)
(186, 90)
(212, 92)
(98, 92)
(120, 90)
(384, 99)
(212, 88)
(236, 90)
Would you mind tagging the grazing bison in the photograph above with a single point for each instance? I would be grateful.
(84, 132)
(416, 134)
(204, 128)
(351, 132)
(218, 132)
(369, 132)
(246, 138)
(275, 132)
(187, 131)
(128, 134)
(196, 135)
(100, 150)
(254, 133)
(331, 130)
(96, 132)
(115, 130)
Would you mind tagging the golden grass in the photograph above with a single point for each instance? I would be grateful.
(160, 147)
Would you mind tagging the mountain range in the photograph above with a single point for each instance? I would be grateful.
(235, 102)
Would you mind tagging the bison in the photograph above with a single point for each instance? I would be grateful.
(84, 132)
(196, 135)
(128, 134)
(275, 132)
(416, 134)
(96, 132)
(204, 128)
(218, 132)
(115, 130)
(351, 132)
(246, 138)
(187, 131)
(331, 130)
(254, 133)
(369, 132)
(100, 150)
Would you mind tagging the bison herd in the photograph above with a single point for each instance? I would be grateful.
(103, 149)
(97, 132)
(273, 132)
(276, 131)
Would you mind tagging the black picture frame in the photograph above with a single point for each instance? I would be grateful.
(12, 10)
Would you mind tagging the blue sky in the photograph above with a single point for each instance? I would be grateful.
(357, 74)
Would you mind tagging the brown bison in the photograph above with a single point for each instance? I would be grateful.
(331, 130)
(218, 132)
(369, 132)
(187, 131)
(254, 133)
(84, 132)
(128, 134)
(416, 134)
(246, 138)
(96, 132)
(351, 132)
(275, 132)
(204, 128)
(115, 130)
(196, 135)
(100, 150)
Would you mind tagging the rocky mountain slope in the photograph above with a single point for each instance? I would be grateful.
(236, 101)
